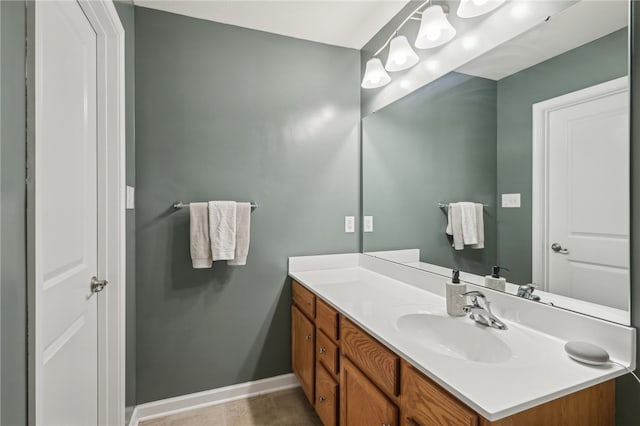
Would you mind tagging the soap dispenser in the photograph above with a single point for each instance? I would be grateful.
(455, 298)
(495, 281)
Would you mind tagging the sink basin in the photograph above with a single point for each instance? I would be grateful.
(454, 337)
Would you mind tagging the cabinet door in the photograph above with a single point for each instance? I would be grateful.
(303, 350)
(361, 402)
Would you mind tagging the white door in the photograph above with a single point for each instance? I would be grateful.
(65, 216)
(588, 195)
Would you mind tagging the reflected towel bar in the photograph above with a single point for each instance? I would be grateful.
(181, 205)
(443, 205)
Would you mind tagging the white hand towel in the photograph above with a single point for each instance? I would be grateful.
(469, 224)
(222, 229)
(199, 231)
(243, 229)
(479, 226)
(454, 226)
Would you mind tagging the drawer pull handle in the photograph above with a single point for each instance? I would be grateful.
(307, 337)
(322, 350)
(322, 399)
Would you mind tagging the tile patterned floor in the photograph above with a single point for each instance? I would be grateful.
(284, 408)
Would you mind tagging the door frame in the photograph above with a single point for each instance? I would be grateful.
(540, 167)
(111, 210)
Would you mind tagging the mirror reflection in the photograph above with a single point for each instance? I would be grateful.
(517, 159)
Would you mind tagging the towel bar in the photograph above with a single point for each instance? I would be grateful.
(181, 205)
(443, 205)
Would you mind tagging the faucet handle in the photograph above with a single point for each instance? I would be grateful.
(526, 289)
(474, 295)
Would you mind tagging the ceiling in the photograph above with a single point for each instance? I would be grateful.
(346, 23)
(579, 24)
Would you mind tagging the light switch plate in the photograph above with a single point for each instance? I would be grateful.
(131, 197)
(511, 200)
(368, 224)
(349, 224)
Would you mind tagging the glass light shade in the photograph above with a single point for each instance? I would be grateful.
(401, 55)
(374, 75)
(473, 8)
(435, 29)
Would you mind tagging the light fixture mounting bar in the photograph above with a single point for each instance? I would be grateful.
(400, 27)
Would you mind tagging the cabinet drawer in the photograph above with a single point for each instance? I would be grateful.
(305, 300)
(361, 402)
(425, 403)
(326, 397)
(380, 364)
(327, 319)
(327, 352)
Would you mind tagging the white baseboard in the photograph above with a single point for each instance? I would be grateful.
(169, 406)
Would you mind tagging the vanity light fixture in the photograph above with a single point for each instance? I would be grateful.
(401, 55)
(435, 28)
(474, 8)
(375, 75)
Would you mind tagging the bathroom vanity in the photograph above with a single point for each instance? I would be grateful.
(372, 345)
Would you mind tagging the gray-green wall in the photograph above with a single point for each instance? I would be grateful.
(593, 63)
(436, 144)
(126, 12)
(224, 112)
(13, 309)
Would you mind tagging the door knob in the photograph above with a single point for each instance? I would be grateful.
(322, 350)
(307, 337)
(558, 248)
(98, 285)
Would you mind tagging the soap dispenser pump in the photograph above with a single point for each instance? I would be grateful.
(495, 281)
(455, 298)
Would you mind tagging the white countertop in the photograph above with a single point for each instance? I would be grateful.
(537, 371)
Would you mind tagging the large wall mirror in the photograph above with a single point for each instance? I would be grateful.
(535, 134)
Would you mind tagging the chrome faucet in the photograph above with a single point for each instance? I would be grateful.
(482, 315)
(526, 292)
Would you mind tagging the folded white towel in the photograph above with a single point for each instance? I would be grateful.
(479, 226)
(243, 229)
(199, 232)
(454, 226)
(222, 229)
(469, 224)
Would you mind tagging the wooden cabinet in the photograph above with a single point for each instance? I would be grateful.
(354, 380)
(361, 402)
(425, 403)
(327, 396)
(304, 299)
(327, 319)
(327, 352)
(302, 351)
(379, 363)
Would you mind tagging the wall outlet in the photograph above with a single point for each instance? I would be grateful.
(511, 201)
(131, 197)
(368, 224)
(349, 224)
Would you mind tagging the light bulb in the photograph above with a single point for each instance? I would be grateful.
(401, 55)
(374, 75)
(435, 29)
